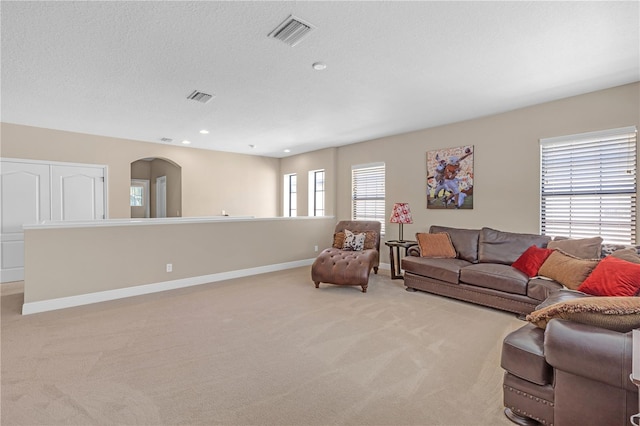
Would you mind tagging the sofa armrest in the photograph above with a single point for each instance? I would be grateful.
(414, 251)
(592, 352)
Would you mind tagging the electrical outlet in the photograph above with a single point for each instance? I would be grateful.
(169, 267)
(315, 248)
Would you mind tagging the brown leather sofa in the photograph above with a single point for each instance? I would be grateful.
(345, 267)
(481, 273)
(569, 374)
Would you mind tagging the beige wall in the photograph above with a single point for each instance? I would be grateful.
(212, 181)
(506, 161)
(58, 264)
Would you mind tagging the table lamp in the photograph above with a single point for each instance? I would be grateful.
(401, 214)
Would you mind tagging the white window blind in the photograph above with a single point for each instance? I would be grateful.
(368, 196)
(588, 185)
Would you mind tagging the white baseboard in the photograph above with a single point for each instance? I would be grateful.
(120, 293)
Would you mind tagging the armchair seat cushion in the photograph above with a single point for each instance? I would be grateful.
(523, 355)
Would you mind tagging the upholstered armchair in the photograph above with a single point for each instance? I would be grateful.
(338, 266)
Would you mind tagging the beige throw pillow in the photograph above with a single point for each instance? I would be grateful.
(584, 248)
(566, 269)
(628, 254)
(614, 313)
(437, 245)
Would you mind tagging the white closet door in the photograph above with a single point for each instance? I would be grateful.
(24, 197)
(77, 192)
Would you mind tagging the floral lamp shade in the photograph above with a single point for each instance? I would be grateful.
(401, 214)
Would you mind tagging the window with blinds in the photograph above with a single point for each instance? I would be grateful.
(367, 183)
(588, 185)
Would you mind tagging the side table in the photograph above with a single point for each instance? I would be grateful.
(396, 271)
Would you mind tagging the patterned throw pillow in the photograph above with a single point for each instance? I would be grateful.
(353, 241)
(369, 240)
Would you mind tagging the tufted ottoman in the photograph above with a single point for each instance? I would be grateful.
(341, 267)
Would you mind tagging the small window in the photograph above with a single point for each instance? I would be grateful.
(290, 195)
(588, 185)
(368, 193)
(316, 193)
(136, 198)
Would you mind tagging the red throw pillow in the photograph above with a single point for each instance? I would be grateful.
(531, 260)
(613, 277)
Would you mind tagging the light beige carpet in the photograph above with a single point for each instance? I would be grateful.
(264, 350)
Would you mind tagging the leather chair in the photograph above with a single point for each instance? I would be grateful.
(569, 374)
(346, 267)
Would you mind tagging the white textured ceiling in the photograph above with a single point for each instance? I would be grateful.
(124, 69)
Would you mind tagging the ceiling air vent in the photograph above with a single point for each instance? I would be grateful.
(200, 96)
(292, 31)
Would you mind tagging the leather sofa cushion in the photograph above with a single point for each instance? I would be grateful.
(523, 355)
(465, 241)
(495, 276)
(506, 247)
(540, 289)
(447, 270)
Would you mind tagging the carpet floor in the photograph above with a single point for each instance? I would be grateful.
(263, 350)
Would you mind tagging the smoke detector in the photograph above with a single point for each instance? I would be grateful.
(292, 31)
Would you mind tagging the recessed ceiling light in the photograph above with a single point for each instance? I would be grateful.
(287, 150)
(186, 142)
(204, 131)
(319, 66)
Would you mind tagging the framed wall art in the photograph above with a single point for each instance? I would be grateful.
(450, 178)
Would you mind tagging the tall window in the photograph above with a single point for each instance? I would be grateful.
(316, 193)
(290, 195)
(588, 185)
(367, 193)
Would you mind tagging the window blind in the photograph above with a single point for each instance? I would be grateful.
(588, 185)
(368, 193)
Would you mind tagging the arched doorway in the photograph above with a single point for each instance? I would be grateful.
(156, 188)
